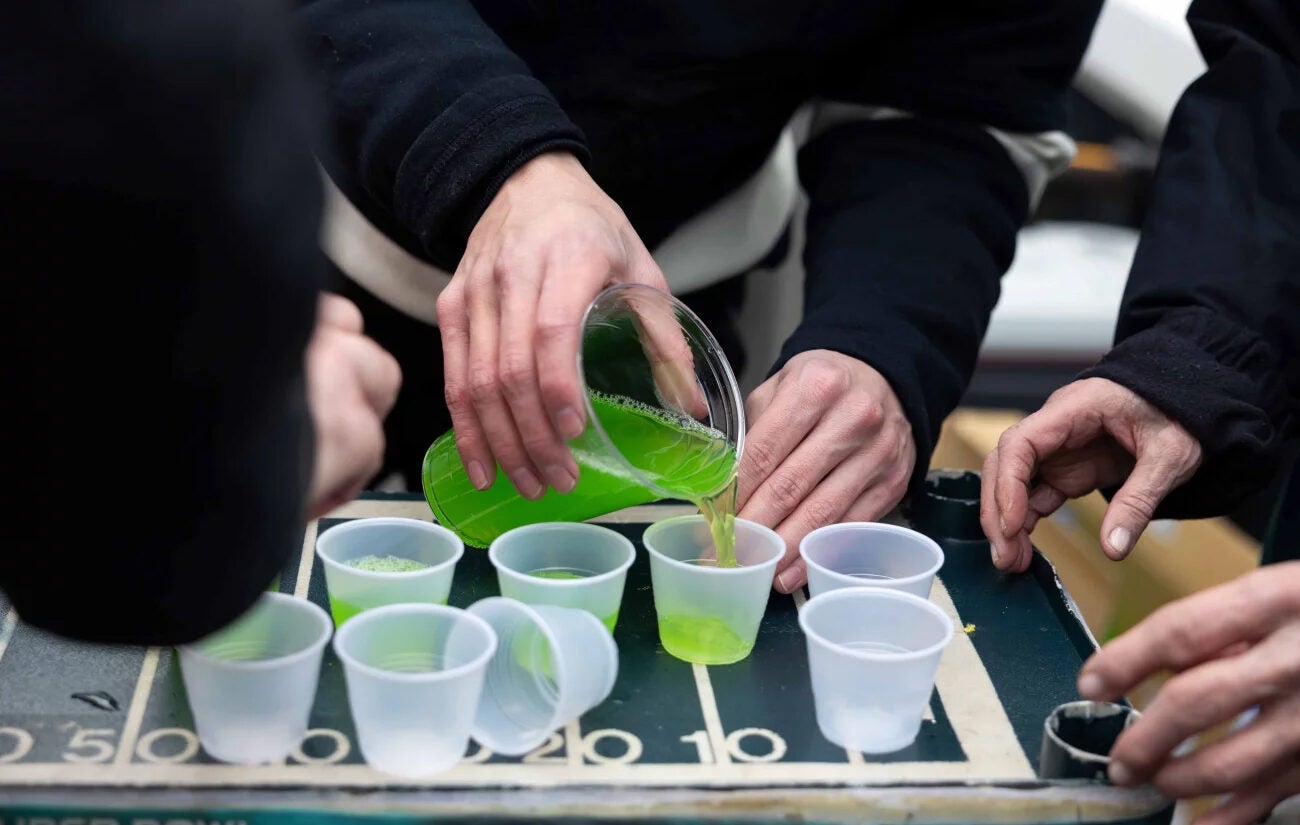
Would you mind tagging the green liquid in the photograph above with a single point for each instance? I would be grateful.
(572, 574)
(703, 640)
(386, 564)
(686, 459)
(342, 611)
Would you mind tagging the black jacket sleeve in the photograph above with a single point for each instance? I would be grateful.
(1209, 329)
(431, 112)
(159, 214)
(913, 220)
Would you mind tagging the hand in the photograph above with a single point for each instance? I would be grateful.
(548, 243)
(351, 385)
(1087, 436)
(827, 442)
(1233, 647)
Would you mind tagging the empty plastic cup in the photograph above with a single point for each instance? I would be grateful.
(709, 615)
(402, 560)
(414, 674)
(873, 654)
(552, 665)
(566, 565)
(870, 554)
(251, 684)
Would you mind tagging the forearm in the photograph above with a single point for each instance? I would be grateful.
(430, 112)
(911, 225)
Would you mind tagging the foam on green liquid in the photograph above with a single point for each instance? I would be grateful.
(386, 564)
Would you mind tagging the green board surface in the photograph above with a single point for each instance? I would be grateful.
(88, 731)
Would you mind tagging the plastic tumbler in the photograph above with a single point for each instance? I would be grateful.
(553, 664)
(664, 419)
(414, 674)
(352, 590)
(251, 684)
(873, 654)
(566, 565)
(709, 615)
(870, 554)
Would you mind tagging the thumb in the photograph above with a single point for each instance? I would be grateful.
(1132, 508)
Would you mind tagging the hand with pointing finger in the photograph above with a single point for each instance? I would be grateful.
(1230, 648)
(1092, 434)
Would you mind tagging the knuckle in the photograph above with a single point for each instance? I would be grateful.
(484, 387)
(867, 414)
(516, 372)
(449, 303)
(825, 381)
(761, 457)
(551, 329)
(785, 490)
(821, 512)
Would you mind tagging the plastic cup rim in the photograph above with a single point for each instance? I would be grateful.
(378, 613)
(732, 388)
(870, 593)
(712, 571)
(873, 526)
(1075, 751)
(318, 644)
(540, 623)
(583, 527)
(425, 526)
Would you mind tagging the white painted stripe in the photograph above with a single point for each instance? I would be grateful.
(712, 719)
(855, 757)
(573, 743)
(7, 628)
(135, 713)
(306, 560)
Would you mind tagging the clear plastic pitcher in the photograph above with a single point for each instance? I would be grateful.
(665, 420)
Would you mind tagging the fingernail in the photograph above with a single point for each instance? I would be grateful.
(570, 422)
(476, 475)
(787, 580)
(1002, 522)
(1120, 774)
(997, 555)
(1120, 539)
(527, 483)
(1091, 686)
(561, 479)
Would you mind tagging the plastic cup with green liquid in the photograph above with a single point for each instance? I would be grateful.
(665, 420)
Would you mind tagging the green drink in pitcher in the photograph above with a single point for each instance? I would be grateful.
(641, 443)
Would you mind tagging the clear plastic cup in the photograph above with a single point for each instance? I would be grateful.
(710, 615)
(352, 590)
(873, 654)
(553, 665)
(414, 674)
(251, 684)
(870, 554)
(566, 565)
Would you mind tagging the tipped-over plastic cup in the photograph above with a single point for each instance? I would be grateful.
(394, 540)
(707, 614)
(870, 554)
(251, 684)
(873, 654)
(414, 674)
(566, 565)
(553, 664)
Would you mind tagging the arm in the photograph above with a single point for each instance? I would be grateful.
(430, 113)
(913, 219)
(1208, 330)
(160, 218)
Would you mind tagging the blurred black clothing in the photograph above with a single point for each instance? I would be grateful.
(1209, 330)
(159, 211)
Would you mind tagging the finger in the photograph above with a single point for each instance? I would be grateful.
(453, 324)
(1158, 470)
(1253, 803)
(770, 440)
(1020, 450)
(517, 288)
(1235, 762)
(991, 520)
(672, 362)
(490, 406)
(1178, 636)
(561, 305)
(1200, 698)
(377, 372)
(761, 398)
(338, 312)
